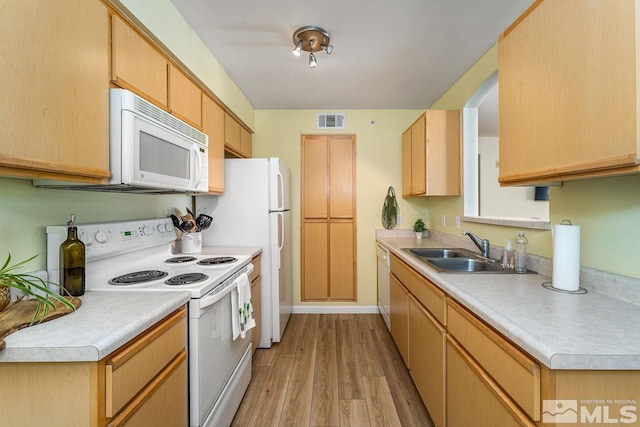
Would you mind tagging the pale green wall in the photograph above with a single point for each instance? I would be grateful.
(378, 165)
(607, 209)
(26, 210)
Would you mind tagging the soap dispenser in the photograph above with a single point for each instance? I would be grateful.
(508, 256)
(72, 261)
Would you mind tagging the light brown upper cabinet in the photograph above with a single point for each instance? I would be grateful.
(54, 80)
(213, 126)
(431, 155)
(137, 65)
(567, 78)
(246, 142)
(237, 139)
(328, 218)
(185, 98)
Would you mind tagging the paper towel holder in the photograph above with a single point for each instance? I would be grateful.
(549, 285)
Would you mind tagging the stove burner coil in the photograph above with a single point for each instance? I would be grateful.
(186, 279)
(138, 277)
(180, 259)
(217, 260)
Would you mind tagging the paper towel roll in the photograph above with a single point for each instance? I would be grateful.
(566, 257)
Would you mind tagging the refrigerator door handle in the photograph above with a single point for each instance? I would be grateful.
(280, 191)
(281, 237)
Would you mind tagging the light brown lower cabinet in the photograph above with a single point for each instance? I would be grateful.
(143, 383)
(256, 300)
(469, 375)
(399, 314)
(473, 398)
(427, 359)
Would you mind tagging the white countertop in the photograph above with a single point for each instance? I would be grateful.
(562, 331)
(104, 322)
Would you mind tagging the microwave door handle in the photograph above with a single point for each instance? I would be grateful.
(198, 167)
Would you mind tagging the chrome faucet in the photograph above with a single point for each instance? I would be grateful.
(482, 244)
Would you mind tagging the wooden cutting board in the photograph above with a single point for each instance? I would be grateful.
(18, 315)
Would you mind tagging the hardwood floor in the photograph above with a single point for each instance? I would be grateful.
(331, 370)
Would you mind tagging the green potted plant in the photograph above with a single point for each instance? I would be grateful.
(419, 228)
(31, 286)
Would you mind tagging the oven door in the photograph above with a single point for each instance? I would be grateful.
(213, 358)
(153, 156)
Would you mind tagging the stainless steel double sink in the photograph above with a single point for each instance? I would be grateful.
(456, 260)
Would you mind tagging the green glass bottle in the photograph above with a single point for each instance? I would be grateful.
(72, 261)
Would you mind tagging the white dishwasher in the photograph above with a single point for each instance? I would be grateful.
(383, 283)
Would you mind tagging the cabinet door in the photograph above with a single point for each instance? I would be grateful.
(418, 157)
(185, 98)
(213, 126)
(406, 163)
(341, 177)
(246, 142)
(426, 359)
(315, 246)
(316, 179)
(443, 152)
(137, 65)
(232, 133)
(54, 122)
(399, 315)
(256, 298)
(341, 260)
(473, 400)
(565, 103)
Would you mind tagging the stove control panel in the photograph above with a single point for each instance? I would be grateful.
(105, 239)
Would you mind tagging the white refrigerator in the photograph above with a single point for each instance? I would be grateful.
(255, 211)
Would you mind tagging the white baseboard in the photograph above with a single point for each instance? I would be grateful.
(334, 309)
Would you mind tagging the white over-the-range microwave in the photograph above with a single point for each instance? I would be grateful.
(150, 151)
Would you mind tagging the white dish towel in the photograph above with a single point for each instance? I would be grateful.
(242, 318)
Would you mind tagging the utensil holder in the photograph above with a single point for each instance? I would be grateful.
(191, 243)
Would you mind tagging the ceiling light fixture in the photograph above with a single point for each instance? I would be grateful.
(312, 61)
(311, 39)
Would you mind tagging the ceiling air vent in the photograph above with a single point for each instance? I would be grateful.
(330, 121)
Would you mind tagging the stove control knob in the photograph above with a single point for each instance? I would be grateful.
(100, 236)
(146, 230)
(87, 239)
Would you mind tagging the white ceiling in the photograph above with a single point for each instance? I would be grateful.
(401, 54)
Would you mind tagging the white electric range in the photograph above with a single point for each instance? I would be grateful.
(137, 256)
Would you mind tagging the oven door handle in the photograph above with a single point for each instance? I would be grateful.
(209, 300)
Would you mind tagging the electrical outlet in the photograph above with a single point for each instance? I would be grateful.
(399, 221)
(457, 222)
(443, 220)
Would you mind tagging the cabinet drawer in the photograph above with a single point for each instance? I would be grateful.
(163, 402)
(473, 398)
(514, 371)
(424, 291)
(131, 368)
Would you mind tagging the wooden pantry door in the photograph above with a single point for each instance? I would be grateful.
(328, 218)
